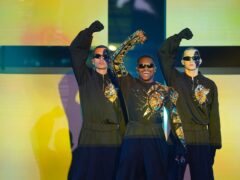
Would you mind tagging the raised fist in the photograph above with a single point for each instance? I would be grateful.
(141, 35)
(96, 26)
(185, 34)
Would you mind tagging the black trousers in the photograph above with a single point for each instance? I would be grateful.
(200, 159)
(94, 163)
(97, 155)
(143, 159)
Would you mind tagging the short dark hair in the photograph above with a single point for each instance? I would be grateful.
(145, 56)
(192, 48)
(101, 46)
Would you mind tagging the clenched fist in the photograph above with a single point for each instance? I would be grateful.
(96, 26)
(185, 34)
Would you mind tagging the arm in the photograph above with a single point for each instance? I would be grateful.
(176, 123)
(80, 48)
(118, 67)
(167, 54)
(118, 63)
(176, 136)
(214, 124)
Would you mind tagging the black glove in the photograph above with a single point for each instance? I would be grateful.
(96, 26)
(185, 34)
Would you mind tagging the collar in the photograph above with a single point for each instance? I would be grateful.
(196, 77)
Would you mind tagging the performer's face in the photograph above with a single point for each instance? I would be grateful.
(146, 69)
(99, 60)
(191, 60)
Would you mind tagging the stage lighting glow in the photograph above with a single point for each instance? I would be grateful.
(55, 22)
(112, 47)
(214, 23)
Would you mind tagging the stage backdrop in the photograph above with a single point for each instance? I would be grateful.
(214, 23)
(54, 22)
(34, 131)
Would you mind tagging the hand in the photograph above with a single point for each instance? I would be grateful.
(96, 26)
(141, 35)
(185, 34)
(180, 159)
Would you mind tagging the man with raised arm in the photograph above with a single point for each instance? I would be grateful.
(197, 106)
(144, 151)
(100, 138)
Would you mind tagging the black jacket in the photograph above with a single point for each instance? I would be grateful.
(101, 109)
(198, 99)
(145, 103)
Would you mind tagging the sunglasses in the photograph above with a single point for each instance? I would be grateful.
(188, 58)
(142, 66)
(98, 56)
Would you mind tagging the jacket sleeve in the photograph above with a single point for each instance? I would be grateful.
(167, 54)
(125, 79)
(79, 50)
(118, 66)
(176, 123)
(214, 123)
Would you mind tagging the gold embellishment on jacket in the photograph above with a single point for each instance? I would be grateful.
(110, 92)
(173, 96)
(118, 55)
(177, 125)
(152, 101)
(175, 118)
(200, 94)
(180, 135)
(155, 99)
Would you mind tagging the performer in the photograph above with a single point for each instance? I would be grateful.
(197, 106)
(144, 150)
(100, 138)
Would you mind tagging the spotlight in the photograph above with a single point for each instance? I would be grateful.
(112, 48)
